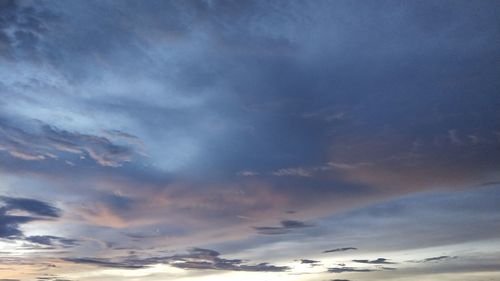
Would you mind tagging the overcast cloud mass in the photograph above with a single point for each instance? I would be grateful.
(249, 140)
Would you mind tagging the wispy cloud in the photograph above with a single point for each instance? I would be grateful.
(196, 259)
(348, 269)
(50, 143)
(298, 172)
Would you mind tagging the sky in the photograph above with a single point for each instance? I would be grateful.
(249, 140)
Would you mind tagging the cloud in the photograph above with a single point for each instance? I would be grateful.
(435, 259)
(9, 223)
(286, 227)
(196, 258)
(343, 269)
(21, 27)
(306, 261)
(33, 206)
(199, 258)
(36, 210)
(298, 172)
(340, 250)
(312, 263)
(50, 240)
(348, 269)
(49, 143)
(376, 261)
(248, 173)
(405, 163)
(51, 277)
(101, 262)
(213, 88)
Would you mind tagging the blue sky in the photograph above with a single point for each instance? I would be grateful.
(244, 140)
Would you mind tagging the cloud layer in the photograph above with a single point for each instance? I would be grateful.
(304, 139)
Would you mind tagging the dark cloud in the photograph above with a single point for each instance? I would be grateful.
(340, 250)
(376, 261)
(247, 109)
(21, 28)
(50, 240)
(312, 262)
(435, 259)
(37, 210)
(9, 223)
(33, 206)
(286, 227)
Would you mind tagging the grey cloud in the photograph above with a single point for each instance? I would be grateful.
(105, 263)
(286, 227)
(307, 261)
(349, 269)
(9, 225)
(376, 261)
(435, 259)
(30, 205)
(209, 259)
(312, 263)
(340, 250)
(299, 172)
(50, 240)
(37, 210)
